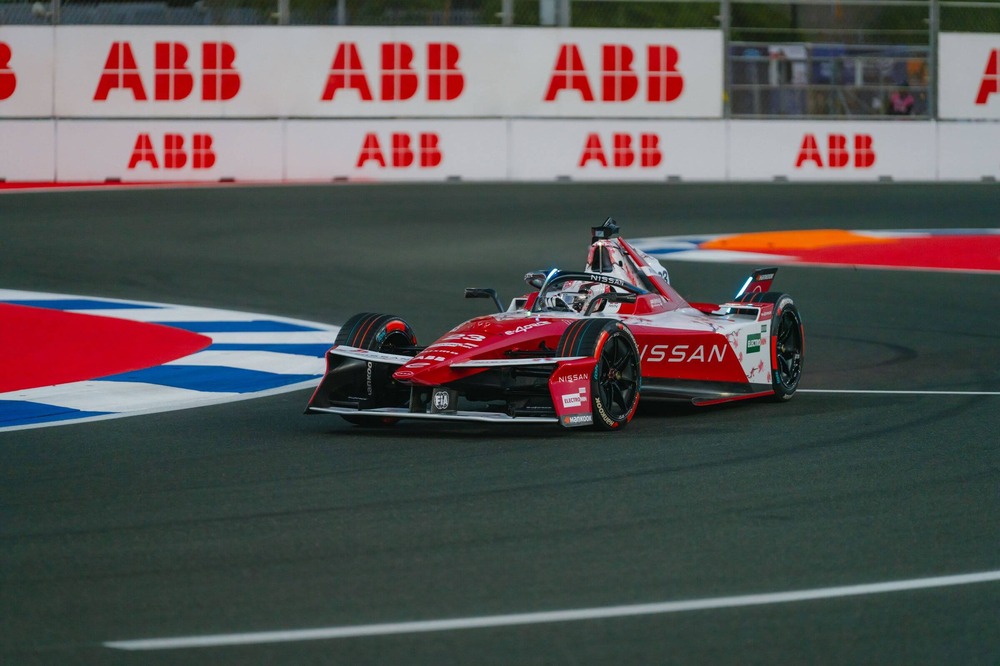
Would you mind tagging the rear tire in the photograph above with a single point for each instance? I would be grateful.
(615, 384)
(380, 333)
(787, 349)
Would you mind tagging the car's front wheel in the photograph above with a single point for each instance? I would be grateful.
(381, 333)
(615, 384)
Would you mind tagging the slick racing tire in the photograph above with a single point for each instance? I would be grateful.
(787, 348)
(381, 333)
(615, 384)
(376, 332)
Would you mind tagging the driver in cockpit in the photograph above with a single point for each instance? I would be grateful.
(605, 257)
(575, 296)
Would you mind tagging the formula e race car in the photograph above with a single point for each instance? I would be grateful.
(578, 350)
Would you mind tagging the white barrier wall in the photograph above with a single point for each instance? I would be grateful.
(272, 103)
(399, 150)
(169, 150)
(833, 151)
(27, 62)
(27, 150)
(969, 75)
(968, 151)
(321, 72)
(619, 150)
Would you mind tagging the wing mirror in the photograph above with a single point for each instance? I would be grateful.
(535, 279)
(479, 292)
(612, 297)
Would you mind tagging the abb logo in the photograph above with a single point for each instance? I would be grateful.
(8, 82)
(838, 155)
(991, 77)
(402, 151)
(623, 151)
(174, 154)
(619, 80)
(444, 81)
(172, 79)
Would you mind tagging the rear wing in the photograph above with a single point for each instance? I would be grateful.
(759, 282)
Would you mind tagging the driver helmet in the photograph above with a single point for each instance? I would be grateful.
(608, 258)
(576, 295)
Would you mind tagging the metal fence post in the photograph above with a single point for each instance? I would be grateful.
(725, 25)
(507, 12)
(935, 25)
(283, 12)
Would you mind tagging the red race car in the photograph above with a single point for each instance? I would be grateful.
(579, 350)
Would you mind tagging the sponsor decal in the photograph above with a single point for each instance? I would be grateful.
(605, 279)
(989, 85)
(575, 399)
(526, 327)
(620, 82)
(8, 81)
(174, 153)
(683, 353)
(400, 80)
(437, 347)
(622, 151)
(573, 378)
(431, 357)
(442, 400)
(404, 151)
(173, 80)
(753, 343)
(604, 415)
(838, 154)
(368, 379)
(578, 419)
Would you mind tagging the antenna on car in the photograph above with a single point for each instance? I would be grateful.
(607, 230)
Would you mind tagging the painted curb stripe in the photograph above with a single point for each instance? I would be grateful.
(209, 378)
(81, 304)
(305, 349)
(250, 355)
(253, 326)
(26, 412)
(962, 250)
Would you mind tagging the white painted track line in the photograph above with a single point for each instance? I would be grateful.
(887, 392)
(602, 613)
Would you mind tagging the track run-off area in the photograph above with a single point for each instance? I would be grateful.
(858, 523)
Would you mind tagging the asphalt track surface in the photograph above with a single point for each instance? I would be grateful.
(250, 517)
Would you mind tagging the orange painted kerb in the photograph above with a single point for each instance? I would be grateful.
(791, 240)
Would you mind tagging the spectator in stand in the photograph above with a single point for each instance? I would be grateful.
(901, 102)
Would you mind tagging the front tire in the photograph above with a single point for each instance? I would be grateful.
(787, 345)
(615, 383)
(380, 333)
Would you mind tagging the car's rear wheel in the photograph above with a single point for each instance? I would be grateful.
(381, 333)
(787, 348)
(615, 384)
